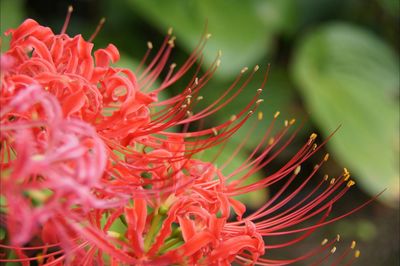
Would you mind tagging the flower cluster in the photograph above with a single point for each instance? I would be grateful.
(92, 175)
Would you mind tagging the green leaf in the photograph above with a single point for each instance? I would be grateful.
(349, 77)
(3, 204)
(391, 6)
(362, 229)
(3, 234)
(235, 27)
(281, 16)
(11, 15)
(117, 226)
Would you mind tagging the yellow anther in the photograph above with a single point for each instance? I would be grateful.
(208, 36)
(170, 29)
(35, 115)
(286, 123)
(313, 136)
(292, 121)
(346, 174)
(297, 170)
(189, 113)
(251, 112)
(350, 183)
(113, 234)
(260, 115)
(196, 81)
(150, 45)
(173, 65)
(277, 114)
(271, 141)
(314, 146)
(259, 90)
(257, 67)
(40, 258)
(233, 118)
(244, 70)
(326, 177)
(357, 253)
(316, 166)
(199, 98)
(324, 242)
(326, 157)
(37, 195)
(214, 130)
(337, 237)
(37, 157)
(171, 41)
(333, 249)
(259, 101)
(353, 244)
(332, 181)
(218, 63)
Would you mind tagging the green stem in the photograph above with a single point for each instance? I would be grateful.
(155, 225)
(169, 244)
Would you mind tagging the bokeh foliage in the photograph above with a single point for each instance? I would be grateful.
(347, 75)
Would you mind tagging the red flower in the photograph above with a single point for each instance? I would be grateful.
(91, 176)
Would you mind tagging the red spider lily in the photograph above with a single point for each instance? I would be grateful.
(92, 176)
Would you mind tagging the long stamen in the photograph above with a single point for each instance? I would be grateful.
(67, 19)
(97, 30)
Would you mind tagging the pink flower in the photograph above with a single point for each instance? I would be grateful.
(92, 176)
(55, 160)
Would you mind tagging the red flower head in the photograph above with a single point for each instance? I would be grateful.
(92, 176)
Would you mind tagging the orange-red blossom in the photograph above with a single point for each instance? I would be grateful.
(90, 174)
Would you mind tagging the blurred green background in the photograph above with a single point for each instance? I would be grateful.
(333, 63)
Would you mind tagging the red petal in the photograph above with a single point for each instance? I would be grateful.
(238, 207)
(73, 102)
(187, 227)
